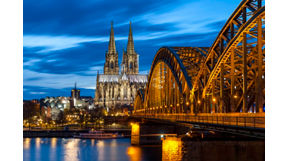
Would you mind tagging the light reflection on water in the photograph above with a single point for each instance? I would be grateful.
(134, 153)
(71, 150)
(58, 149)
(173, 149)
(26, 144)
(53, 143)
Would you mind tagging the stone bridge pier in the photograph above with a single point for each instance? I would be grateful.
(150, 133)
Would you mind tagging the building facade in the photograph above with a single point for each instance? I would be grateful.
(116, 88)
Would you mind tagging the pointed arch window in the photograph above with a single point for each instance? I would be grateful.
(131, 65)
(112, 65)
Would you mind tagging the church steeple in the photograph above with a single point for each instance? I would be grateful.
(130, 47)
(112, 43)
(130, 58)
(111, 63)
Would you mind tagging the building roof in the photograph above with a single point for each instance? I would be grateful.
(137, 78)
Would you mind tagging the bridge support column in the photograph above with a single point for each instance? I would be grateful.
(213, 99)
(232, 95)
(259, 104)
(148, 133)
(244, 44)
(135, 134)
(221, 108)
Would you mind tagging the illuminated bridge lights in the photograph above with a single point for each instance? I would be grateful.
(227, 77)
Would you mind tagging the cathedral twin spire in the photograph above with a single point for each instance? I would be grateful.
(112, 43)
(130, 58)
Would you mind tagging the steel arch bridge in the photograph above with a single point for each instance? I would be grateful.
(226, 79)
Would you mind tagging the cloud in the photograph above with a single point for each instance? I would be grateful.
(57, 81)
(66, 41)
(38, 93)
(53, 43)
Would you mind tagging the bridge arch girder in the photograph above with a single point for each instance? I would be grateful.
(227, 78)
(175, 67)
(234, 69)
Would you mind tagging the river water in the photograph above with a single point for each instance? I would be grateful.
(70, 149)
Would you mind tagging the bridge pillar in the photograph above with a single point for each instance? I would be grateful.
(135, 133)
(148, 133)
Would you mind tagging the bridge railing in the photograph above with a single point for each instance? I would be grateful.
(239, 121)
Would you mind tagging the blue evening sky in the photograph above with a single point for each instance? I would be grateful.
(65, 40)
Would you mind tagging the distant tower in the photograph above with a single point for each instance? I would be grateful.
(111, 63)
(130, 63)
(75, 93)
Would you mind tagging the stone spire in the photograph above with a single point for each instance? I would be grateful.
(130, 48)
(112, 44)
(112, 62)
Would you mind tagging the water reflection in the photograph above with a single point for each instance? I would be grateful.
(26, 144)
(53, 152)
(134, 153)
(38, 143)
(54, 149)
(172, 149)
(71, 150)
(93, 142)
(113, 150)
(53, 143)
(175, 149)
(101, 150)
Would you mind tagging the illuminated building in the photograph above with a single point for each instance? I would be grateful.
(117, 88)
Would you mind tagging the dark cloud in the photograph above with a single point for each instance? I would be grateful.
(78, 19)
(72, 16)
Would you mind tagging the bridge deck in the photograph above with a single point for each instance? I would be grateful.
(248, 121)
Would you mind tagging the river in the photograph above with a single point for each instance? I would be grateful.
(70, 149)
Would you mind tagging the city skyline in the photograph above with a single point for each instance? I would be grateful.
(65, 42)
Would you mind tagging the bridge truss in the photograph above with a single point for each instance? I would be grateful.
(228, 77)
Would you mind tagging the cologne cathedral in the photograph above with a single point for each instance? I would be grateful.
(118, 85)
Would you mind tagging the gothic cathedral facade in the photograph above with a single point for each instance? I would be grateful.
(118, 85)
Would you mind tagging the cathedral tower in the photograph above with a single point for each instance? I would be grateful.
(130, 57)
(111, 63)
